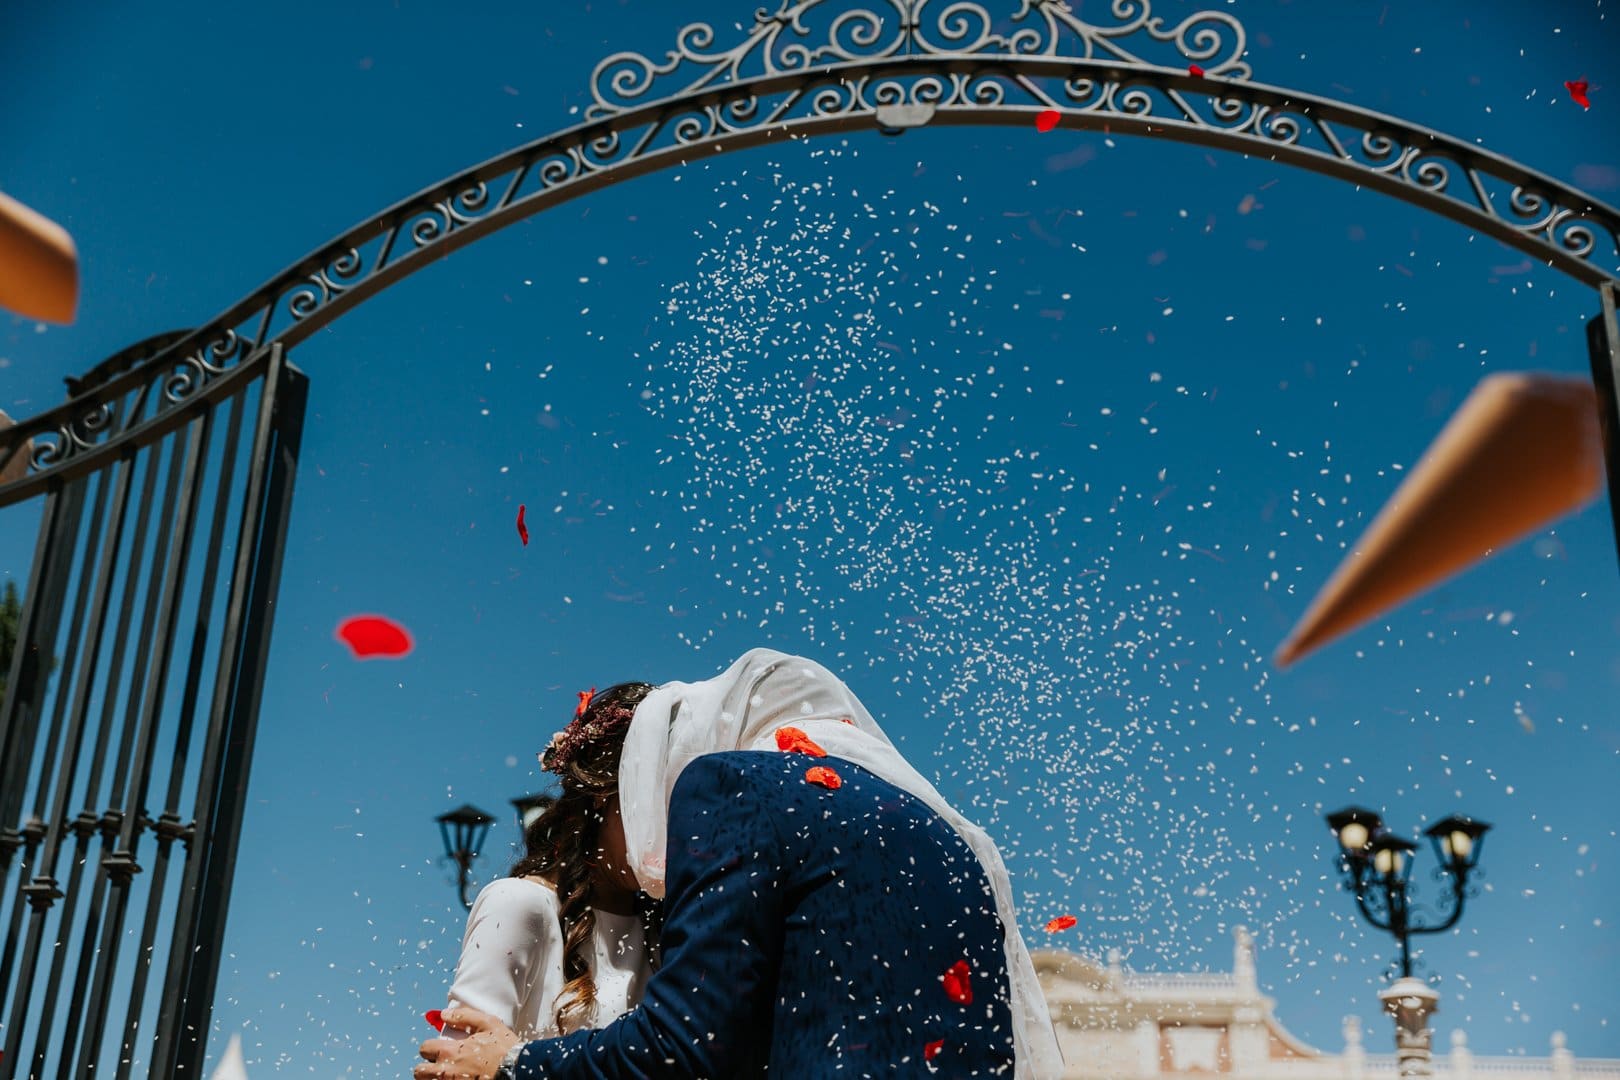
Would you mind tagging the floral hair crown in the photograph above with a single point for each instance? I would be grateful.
(584, 728)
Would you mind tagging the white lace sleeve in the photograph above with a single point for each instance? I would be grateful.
(513, 938)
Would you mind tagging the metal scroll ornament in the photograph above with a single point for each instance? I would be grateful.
(805, 34)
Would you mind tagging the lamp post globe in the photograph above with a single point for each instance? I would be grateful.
(1353, 827)
(1457, 842)
(530, 807)
(1392, 858)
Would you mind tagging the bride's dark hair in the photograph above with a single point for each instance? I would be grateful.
(563, 844)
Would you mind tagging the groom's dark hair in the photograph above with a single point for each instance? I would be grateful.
(563, 840)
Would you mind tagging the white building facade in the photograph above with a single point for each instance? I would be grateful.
(1119, 1025)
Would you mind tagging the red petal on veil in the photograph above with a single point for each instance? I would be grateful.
(795, 741)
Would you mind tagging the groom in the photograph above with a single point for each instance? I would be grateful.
(819, 920)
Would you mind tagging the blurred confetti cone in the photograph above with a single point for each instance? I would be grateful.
(231, 1066)
(1523, 450)
(39, 269)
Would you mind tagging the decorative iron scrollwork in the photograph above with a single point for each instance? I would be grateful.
(787, 40)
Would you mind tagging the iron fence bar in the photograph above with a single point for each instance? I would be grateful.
(40, 644)
(168, 826)
(21, 699)
(121, 828)
(233, 724)
(199, 636)
(119, 865)
(83, 989)
(1603, 343)
(196, 461)
(71, 667)
(41, 619)
(40, 891)
(107, 823)
(109, 541)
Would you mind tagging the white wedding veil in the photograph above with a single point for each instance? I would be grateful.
(741, 710)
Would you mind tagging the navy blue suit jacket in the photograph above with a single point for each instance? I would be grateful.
(808, 933)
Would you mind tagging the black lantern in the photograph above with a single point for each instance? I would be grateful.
(1391, 857)
(1377, 866)
(529, 808)
(1354, 827)
(1457, 841)
(464, 829)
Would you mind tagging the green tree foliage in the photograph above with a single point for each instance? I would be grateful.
(10, 618)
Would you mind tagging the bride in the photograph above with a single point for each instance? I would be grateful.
(567, 940)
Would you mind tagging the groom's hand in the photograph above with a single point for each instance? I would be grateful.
(476, 1057)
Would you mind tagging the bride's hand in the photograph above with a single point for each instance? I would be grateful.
(475, 1057)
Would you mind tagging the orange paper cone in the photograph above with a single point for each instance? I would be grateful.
(39, 269)
(1523, 450)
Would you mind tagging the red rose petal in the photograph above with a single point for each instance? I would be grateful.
(435, 1017)
(1577, 92)
(373, 635)
(794, 741)
(1062, 922)
(1047, 120)
(820, 774)
(846, 720)
(523, 530)
(956, 985)
(1194, 69)
(932, 1050)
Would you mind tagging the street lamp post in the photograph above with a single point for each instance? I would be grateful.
(463, 830)
(1377, 868)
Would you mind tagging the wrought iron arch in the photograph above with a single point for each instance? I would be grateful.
(816, 66)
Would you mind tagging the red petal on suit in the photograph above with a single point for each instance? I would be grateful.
(820, 774)
(955, 981)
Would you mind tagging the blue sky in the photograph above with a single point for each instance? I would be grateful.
(1043, 439)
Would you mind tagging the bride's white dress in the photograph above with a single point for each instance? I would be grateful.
(512, 960)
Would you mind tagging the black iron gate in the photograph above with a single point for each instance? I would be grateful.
(123, 774)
